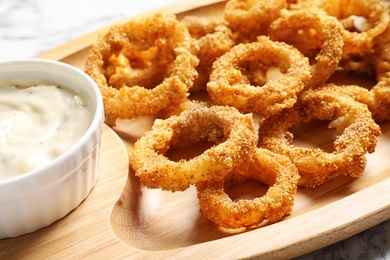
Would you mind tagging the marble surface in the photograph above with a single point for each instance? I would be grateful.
(31, 27)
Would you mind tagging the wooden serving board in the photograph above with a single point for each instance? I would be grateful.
(123, 219)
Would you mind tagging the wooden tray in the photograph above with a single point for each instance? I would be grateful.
(122, 219)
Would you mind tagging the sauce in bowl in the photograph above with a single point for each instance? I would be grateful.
(37, 124)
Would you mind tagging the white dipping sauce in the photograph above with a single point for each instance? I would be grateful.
(37, 124)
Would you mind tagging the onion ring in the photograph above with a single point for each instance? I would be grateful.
(376, 64)
(159, 38)
(363, 21)
(252, 17)
(280, 174)
(382, 56)
(231, 131)
(352, 120)
(229, 86)
(378, 17)
(326, 33)
(377, 98)
(214, 39)
(382, 61)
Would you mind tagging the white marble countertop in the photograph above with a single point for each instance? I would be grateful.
(31, 27)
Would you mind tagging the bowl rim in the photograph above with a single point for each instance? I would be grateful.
(95, 125)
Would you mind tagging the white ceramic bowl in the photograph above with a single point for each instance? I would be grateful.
(36, 199)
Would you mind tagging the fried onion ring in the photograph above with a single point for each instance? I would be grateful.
(352, 120)
(277, 171)
(376, 65)
(231, 131)
(377, 98)
(378, 18)
(252, 17)
(231, 85)
(158, 47)
(382, 56)
(214, 39)
(363, 21)
(324, 31)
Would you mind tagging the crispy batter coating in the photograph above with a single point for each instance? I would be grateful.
(381, 57)
(214, 39)
(143, 67)
(323, 31)
(252, 18)
(233, 135)
(231, 84)
(377, 98)
(365, 22)
(275, 170)
(357, 133)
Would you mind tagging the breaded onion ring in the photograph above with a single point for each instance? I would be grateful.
(376, 64)
(230, 84)
(382, 56)
(324, 32)
(157, 46)
(363, 20)
(377, 98)
(382, 61)
(214, 39)
(252, 17)
(280, 174)
(352, 120)
(231, 131)
(377, 16)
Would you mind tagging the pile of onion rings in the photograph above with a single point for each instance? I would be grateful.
(241, 81)
(231, 132)
(356, 129)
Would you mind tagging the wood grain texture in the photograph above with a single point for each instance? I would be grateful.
(123, 219)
